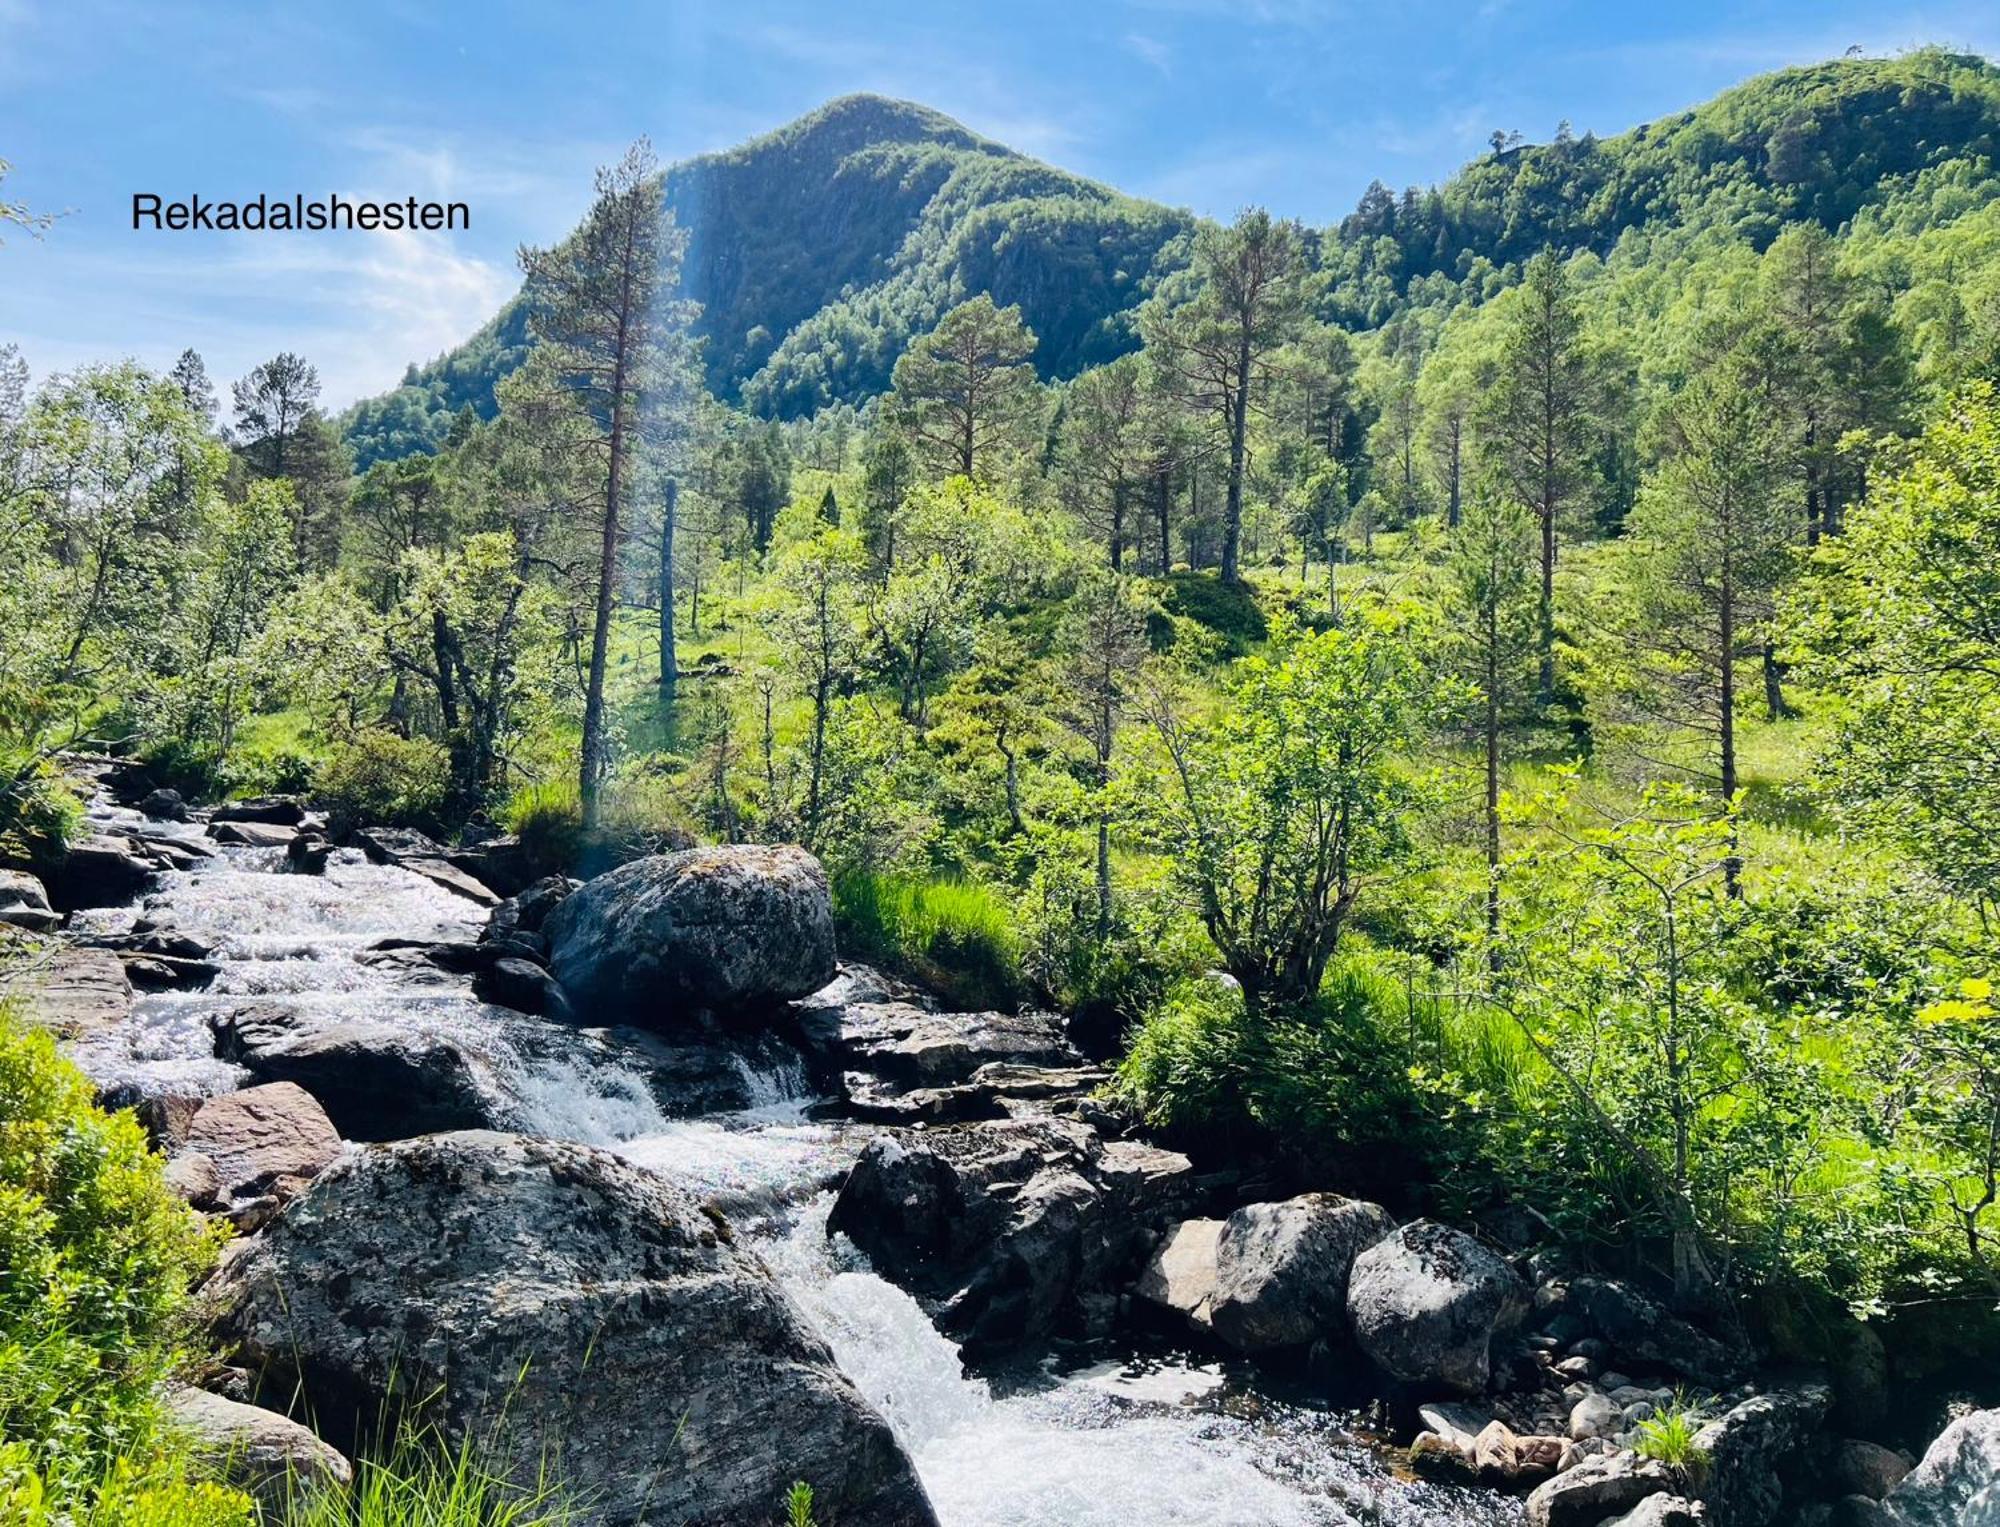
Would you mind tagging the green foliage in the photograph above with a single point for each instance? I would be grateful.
(375, 777)
(954, 935)
(152, 1492)
(420, 1478)
(96, 1259)
(1669, 1437)
(799, 1505)
(1229, 610)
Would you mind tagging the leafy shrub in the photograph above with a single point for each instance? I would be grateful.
(156, 1491)
(40, 815)
(953, 935)
(1231, 611)
(96, 1258)
(375, 777)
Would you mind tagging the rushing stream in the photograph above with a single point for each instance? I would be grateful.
(1123, 1440)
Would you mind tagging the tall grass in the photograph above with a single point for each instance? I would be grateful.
(421, 1479)
(953, 935)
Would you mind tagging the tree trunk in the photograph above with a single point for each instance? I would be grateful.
(1239, 426)
(590, 773)
(669, 662)
(1545, 638)
(1732, 867)
(1775, 706)
(1492, 634)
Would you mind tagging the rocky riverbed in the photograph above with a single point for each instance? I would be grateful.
(639, 1174)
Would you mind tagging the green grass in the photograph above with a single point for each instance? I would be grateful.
(1669, 1437)
(422, 1480)
(951, 934)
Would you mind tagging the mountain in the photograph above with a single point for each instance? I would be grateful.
(817, 251)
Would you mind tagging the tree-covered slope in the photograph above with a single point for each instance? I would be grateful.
(817, 251)
(1823, 144)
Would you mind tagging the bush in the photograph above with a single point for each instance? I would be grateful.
(635, 817)
(376, 778)
(96, 1258)
(548, 819)
(40, 815)
(953, 935)
(1229, 611)
(155, 1492)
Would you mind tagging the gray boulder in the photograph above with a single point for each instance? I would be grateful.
(1281, 1269)
(1662, 1511)
(1015, 1230)
(565, 1307)
(1759, 1447)
(24, 903)
(1426, 1302)
(71, 992)
(164, 806)
(269, 1457)
(718, 928)
(1181, 1274)
(376, 1080)
(267, 810)
(253, 834)
(1957, 1482)
(1597, 1490)
(1868, 1468)
(1641, 1331)
(102, 871)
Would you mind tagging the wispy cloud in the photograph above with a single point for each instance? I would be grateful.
(1151, 52)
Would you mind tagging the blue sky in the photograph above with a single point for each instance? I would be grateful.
(1211, 104)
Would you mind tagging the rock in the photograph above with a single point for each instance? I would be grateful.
(25, 904)
(192, 1178)
(1595, 1415)
(1426, 1302)
(394, 845)
(722, 928)
(1857, 1511)
(1575, 1369)
(1868, 1468)
(1639, 1330)
(71, 992)
(266, 810)
(1597, 1490)
(1012, 1230)
(1455, 1419)
(101, 871)
(578, 1309)
(440, 872)
(526, 911)
(253, 834)
(1281, 1269)
(1957, 1483)
(307, 854)
(519, 984)
(501, 864)
(1860, 1377)
(166, 972)
(164, 806)
(268, 1456)
(1755, 1449)
(269, 1139)
(1441, 1457)
(911, 1046)
(1664, 1511)
(376, 1081)
(1181, 1275)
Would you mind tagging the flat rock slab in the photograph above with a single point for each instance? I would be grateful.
(72, 992)
(25, 904)
(252, 834)
(440, 872)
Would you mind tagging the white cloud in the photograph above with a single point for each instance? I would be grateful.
(1151, 52)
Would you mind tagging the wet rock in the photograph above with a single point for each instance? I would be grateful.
(1281, 1269)
(1868, 1468)
(1639, 1330)
(1755, 1450)
(501, 864)
(375, 1080)
(573, 1307)
(440, 872)
(526, 911)
(1664, 1511)
(269, 1457)
(1426, 1302)
(101, 871)
(912, 1046)
(521, 985)
(1597, 1490)
(308, 853)
(24, 903)
(723, 928)
(266, 810)
(253, 834)
(1957, 1482)
(166, 972)
(1012, 1230)
(394, 845)
(71, 991)
(164, 806)
(1438, 1456)
(1181, 1275)
(273, 1138)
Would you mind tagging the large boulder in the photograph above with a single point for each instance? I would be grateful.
(268, 810)
(269, 1140)
(1598, 1490)
(563, 1306)
(1426, 1302)
(268, 1456)
(24, 903)
(1758, 1447)
(1641, 1332)
(1957, 1482)
(1281, 1269)
(716, 928)
(71, 992)
(376, 1080)
(164, 805)
(253, 834)
(1181, 1273)
(102, 871)
(1012, 1231)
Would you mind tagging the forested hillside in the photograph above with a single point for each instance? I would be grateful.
(818, 252)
